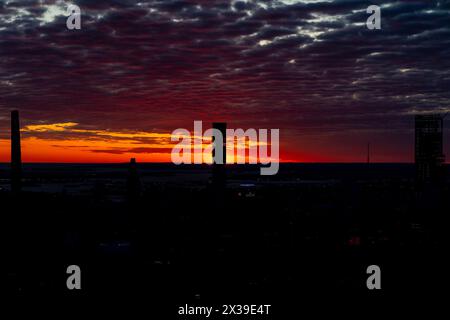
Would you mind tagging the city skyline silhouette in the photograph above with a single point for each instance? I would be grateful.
(94, 203)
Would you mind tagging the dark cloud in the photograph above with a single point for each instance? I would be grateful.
(304, 67)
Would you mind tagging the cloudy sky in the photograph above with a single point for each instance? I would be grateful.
(137, 70)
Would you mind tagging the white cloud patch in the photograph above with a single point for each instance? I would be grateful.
(52, 12)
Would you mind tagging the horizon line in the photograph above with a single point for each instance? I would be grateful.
(209, 164)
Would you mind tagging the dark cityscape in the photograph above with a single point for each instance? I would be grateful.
(225, 159)
(193, 232)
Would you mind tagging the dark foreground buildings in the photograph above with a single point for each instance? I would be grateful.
(429, 157)
(311, 230)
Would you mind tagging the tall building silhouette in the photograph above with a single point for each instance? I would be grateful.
(133, 181)
(16, 154)
(429, 157)
(219, 171)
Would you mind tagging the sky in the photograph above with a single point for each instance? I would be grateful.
(138, 70)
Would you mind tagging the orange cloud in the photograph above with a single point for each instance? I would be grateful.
(85, 145)
(53, 127)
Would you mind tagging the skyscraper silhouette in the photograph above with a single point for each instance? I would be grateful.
(16, 154)
(219, 173)
(133, 181)
(429, 157)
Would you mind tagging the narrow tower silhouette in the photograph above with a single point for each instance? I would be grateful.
(219, 173)
(133, 181)
(16, 154)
